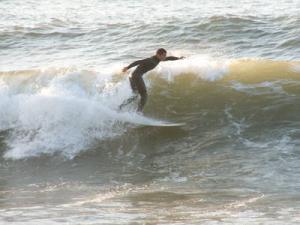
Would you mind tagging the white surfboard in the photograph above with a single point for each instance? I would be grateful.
(142, 121)
(161, 124)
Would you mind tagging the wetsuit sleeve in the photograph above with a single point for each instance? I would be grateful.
(171, 58)
(136, 63)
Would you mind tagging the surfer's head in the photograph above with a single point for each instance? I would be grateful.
(161, 54)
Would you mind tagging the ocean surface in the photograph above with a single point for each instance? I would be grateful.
(69, 156)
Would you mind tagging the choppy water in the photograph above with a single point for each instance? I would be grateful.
(68, 156)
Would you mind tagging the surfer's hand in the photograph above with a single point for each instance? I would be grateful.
(124, 69)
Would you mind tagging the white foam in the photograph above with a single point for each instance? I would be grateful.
(267, 87)
(239, 125)
(205, 67)
(295, 68)
(64, 113)
(284, 144)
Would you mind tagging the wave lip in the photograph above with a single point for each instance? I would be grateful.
(204, 67)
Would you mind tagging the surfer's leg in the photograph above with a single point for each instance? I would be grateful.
(133, 84)
(141, 87)
(134, 97)
(128, 101)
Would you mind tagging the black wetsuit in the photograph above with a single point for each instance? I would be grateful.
(136, 80)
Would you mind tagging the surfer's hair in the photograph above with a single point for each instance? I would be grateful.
(161, 51)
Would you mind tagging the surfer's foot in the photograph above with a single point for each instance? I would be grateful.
(139, 112)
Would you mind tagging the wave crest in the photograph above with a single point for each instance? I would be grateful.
(66, 110)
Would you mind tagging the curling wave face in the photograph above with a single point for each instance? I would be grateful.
(67, 110)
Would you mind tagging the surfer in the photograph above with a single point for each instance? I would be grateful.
(136, 79)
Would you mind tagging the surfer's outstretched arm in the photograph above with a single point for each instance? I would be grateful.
(138, 62)
(172, 58)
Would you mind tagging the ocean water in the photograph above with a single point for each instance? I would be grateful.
(69, 156)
